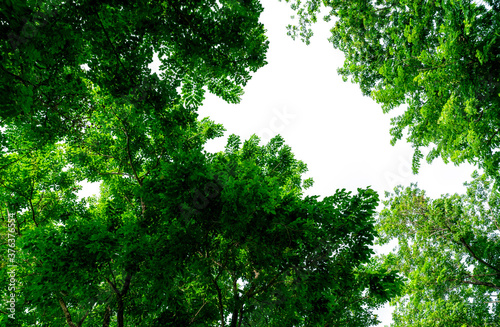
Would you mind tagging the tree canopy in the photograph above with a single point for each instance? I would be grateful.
(54, 53)
(200, 240)
(440, 60)
(448, 249)
(177, 236)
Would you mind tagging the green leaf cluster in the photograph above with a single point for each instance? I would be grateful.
(448, 249)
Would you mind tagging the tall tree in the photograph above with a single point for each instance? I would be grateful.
(273, 258)
(37, 190)
(203, 240)
(448, 249)
(53, 53)
(176, 236)
(75, 83)
(438, 59)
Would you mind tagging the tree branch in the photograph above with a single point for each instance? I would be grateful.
(126, 284)
(194, 317)
(107, 316)
(219, 300)
(235, 317)
(33, 212)
(65, 310)
(14, 161)
(120, 296)
(469, 249)
(476, 282)
(250, 293)
(441, 66)
(80, 323)
(19, 78)
(492, 136)
(113, 286)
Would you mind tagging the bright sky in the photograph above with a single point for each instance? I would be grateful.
(342, 136)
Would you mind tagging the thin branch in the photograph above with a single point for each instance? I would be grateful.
(469, 249)
(112, 274)
(33, 212)
(107, 316)
(250, 293)
(480, 116)
(14, 161)
(42, 194)
(128, 200)
(130, 160)
(441, 66)
(219, 293)
(119, 60)
(194, 317)
(83, 318)
(17, 77)
(219, 300)
(492, 136)
(234, 317)
(65, 310)
(124, 130)
(113, 47)
(470, 282)
(114, 173)
(113, 286)
(484, 275)
(154, 167)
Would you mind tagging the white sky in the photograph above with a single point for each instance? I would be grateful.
(342, 136)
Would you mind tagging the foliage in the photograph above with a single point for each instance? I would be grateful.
(279, 259)
(440, 60)
(196, 239)
(54, 53)
(79, 102)
(177, 236)
(448, 249)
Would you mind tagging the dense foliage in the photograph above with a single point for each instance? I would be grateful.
(177, 236)
(440, 59)
(53, 53)
(202, 240)
(449, 250)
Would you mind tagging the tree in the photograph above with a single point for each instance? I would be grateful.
(448, 249)
(196, 241)
(273, 258)
(440, 59)
(68, 71)
(36, 190)
(54, 53)
(177, 237)
(202, 240)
